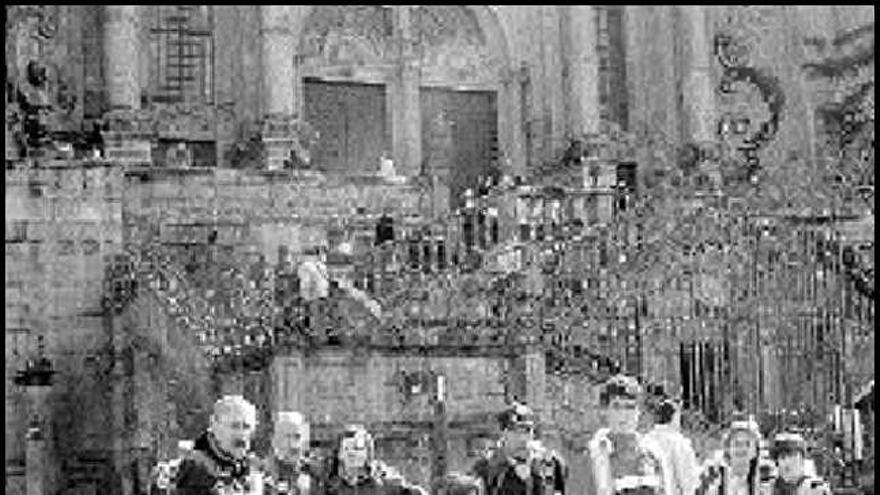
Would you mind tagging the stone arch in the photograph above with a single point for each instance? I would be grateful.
(486, 17)
(496, 35)
(472, 35)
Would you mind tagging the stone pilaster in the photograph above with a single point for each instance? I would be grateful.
(279, 78)
(583, 71)
(126, 130)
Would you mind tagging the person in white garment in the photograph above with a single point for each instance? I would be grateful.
(386, 166)
(622, 460)
(680, 461)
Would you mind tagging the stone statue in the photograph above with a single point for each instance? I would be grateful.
(34, 100)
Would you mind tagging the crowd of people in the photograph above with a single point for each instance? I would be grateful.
(621, 459)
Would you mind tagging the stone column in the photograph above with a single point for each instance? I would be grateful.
(406, 109)
(699, 90)
(598, 171)
(583, 71)
(126, 130)
(121, 53)
(279, 132)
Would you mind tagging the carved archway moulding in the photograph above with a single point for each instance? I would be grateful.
(358, 43)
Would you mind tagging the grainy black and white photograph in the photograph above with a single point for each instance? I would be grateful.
(439, 250)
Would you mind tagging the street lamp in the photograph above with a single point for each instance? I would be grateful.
(36, 378)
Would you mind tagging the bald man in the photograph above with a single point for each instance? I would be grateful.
(219, 462)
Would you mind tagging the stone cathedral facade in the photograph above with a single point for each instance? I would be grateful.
(252, 134)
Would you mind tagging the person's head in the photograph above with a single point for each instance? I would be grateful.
(742, 444)
(355, 450)
(620, 397)
(517, 424)
(290, 439)
(668, 414)
(789, 451)
(233, 423)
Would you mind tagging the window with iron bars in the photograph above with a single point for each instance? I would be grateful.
(182, 54)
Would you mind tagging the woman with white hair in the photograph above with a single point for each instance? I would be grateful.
(290, 471)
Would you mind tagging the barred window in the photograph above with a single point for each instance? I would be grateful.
(182, 54)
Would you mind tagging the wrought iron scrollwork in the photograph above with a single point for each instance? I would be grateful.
(734, 56)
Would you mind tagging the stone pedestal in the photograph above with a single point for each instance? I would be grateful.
(600, 175)
(280, 138)
(128, 137)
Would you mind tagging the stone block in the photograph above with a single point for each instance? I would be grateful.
(127, 150)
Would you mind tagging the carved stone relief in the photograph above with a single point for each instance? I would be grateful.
(451, 45)
(348, 34)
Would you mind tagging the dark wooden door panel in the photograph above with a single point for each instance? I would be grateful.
(324, 106)
(472, 122)
(350, 118)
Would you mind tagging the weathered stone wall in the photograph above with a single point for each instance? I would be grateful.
(253, 209)
(62, 223)
(337, 387)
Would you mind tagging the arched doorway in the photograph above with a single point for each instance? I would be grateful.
(460, 78)
(346, 58)
(383, 78)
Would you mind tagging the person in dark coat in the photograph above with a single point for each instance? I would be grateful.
(219, 463)
(789, 450)
(354, 470)
(521, 465)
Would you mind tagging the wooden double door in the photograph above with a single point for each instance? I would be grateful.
(459, 131)
(351, 120)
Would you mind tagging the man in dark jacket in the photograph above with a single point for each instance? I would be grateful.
(356, 471)
(521, 465)
(790, 451)
(218, 464)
